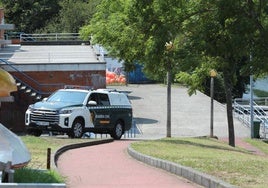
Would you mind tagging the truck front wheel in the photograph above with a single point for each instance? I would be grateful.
(77, 129)
(118, 130)
(35, 132)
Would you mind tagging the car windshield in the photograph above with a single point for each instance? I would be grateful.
(76, 97)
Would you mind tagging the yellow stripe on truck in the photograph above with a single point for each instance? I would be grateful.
(104, 121)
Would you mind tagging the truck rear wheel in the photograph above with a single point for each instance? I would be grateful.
(118, 130)
(77, 129)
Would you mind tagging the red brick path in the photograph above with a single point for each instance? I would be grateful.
(109, 165)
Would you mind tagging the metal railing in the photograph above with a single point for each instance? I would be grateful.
(27, 79)
(50, 37)
(131, 133)
(262, 101)
(241, 110)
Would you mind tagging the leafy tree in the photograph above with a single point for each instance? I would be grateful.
(47, 16)
(109, 27)
(229, 32)
(29, 15)
(138, 31)
(73, 15)
(206, 34)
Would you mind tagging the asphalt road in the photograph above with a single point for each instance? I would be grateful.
(190, 114)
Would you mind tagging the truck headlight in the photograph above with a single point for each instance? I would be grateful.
(65, 111)
(30, 108)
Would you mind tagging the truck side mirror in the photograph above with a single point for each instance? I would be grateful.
(92, 103)
(44, 99)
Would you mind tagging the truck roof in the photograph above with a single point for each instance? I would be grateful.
(80, 90)
(115, 97)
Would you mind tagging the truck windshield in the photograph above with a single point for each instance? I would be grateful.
(68, 97)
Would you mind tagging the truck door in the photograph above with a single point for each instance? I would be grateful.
(100, 114)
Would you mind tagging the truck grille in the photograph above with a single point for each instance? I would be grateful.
(44, 115)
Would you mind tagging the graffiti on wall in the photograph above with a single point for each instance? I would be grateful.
(113, 78)
(114, 73)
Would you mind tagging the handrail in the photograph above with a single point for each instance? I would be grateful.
(242, 112)
(260, 115)
(260, 101)
(49, 36)
(39, 86)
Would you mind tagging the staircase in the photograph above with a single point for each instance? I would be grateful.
(241, 109)
(23, 84)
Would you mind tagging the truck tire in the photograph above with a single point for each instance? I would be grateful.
(118, 130)
(35, 132)
(77, 129)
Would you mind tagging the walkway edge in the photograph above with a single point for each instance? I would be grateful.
(185, 172)
(78, 145)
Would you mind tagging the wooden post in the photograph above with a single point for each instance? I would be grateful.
(48, 158)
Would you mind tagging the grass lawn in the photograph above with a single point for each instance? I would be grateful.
(234, 165)
(37, 146)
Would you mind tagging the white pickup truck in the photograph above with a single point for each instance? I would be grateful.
(76, 111)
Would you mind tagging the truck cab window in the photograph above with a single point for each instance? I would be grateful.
(104, 99)
(93, 97)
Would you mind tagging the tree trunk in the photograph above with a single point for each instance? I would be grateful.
(228, 92)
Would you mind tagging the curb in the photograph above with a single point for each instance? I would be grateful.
(185, 172)
(78, 145)
(33, 185)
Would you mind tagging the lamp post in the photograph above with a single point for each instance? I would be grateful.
(213, 74)
(251, 108)
(169, 46)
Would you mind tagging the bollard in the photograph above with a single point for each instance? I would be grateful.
(48, 158)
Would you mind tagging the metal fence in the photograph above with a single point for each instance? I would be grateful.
(49, 37)
(241, 109)
(131, 133)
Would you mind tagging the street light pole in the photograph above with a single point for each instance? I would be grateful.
(251, 101)
(213, 74)
(169, 101)
(169, 47)
(251, 108)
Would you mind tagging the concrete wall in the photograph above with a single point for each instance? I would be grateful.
(49, 81)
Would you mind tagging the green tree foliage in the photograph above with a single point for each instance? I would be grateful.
(221, 34)
(49, 16)
(137, 31)
(73, 14)
(111, 28)
(229, 32)
(29, 15)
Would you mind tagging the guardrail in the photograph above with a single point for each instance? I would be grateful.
(262, 101)
(49, 37)
(131, 133)
(241, 109)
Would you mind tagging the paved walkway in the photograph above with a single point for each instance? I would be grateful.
(109, 165)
